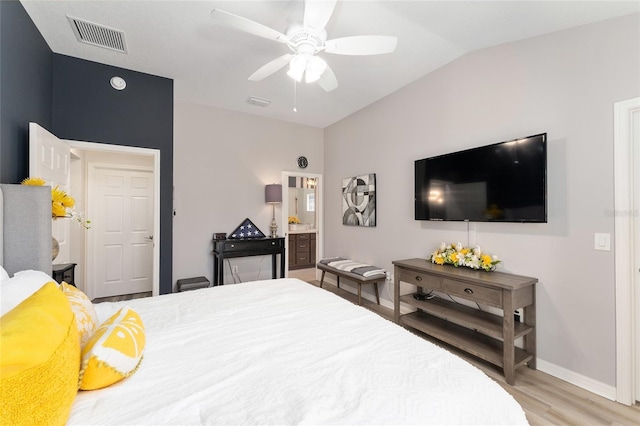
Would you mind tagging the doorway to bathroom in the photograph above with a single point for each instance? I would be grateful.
(302, 214)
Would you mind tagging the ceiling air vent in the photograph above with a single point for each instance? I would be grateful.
(258, 102)
(98, 35)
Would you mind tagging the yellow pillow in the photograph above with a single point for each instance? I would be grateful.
(86, 317)
(114, 351)
(39, 359)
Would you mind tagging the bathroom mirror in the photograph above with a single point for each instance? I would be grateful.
(302, 203)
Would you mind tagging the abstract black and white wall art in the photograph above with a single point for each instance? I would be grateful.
(359, 200)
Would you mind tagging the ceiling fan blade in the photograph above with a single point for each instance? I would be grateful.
(248, 26)
(271, 67)
(328, 81)
(361, 45)
(317, 13)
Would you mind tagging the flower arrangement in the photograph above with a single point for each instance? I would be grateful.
(293, 220)
(457, 255)
(61, 203)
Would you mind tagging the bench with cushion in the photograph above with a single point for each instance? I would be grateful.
(360, 273)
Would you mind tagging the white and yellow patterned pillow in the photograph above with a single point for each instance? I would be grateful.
(86, 317)
(114, 351)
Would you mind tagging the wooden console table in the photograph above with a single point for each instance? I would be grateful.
(480, 333)
(244, 247)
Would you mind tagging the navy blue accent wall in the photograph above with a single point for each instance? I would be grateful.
(73, 99)
(26, 81)
(87, 108)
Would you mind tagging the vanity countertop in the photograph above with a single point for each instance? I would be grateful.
(303, 231)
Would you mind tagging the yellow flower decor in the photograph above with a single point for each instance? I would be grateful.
(457, 255)
(61, 202)
(294, 220)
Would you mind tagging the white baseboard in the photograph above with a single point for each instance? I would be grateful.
(587, 383)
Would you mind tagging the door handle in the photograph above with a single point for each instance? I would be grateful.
(149, 238)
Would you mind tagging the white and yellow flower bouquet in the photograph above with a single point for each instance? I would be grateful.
(61, 203)
(458, 255)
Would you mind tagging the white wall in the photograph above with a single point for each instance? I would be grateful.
(564, 84)
(222, 162)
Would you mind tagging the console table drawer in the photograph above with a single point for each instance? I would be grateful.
(421, 280)
(230, 246)
(491, 296)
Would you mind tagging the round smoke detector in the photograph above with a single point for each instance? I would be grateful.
(118, 83)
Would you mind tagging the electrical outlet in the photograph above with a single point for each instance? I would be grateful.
(518, 315)
(234, 269)
(389, 276)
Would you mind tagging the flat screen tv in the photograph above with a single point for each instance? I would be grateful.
(503, 182)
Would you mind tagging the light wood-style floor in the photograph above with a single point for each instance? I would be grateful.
(545, 399)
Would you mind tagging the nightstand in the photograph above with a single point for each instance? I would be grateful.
(64, 272)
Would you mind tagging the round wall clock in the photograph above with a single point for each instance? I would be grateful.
(303, 162)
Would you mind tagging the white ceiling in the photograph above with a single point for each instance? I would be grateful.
(210, 62)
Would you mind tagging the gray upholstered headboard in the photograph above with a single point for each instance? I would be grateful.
(25, 234)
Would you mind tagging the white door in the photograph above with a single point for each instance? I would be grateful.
(121, 205)
(50, 159)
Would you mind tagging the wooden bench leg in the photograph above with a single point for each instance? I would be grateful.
(359, 294)
(321, 279)
(375, 287)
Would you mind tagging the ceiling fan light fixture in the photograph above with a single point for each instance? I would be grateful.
(315, 68)
(305, 40)
(296, 67)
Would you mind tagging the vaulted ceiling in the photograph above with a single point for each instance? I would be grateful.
(210, 61)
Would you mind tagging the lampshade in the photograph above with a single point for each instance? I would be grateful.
(273, 193)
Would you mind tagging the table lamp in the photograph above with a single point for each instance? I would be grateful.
(273, 196)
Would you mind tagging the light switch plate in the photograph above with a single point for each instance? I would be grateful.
(602, 242)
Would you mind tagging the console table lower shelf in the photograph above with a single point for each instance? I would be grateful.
(480, 333)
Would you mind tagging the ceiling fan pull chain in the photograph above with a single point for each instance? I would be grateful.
(295, 96)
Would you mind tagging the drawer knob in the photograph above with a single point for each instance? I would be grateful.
(468, 291)
(418, 278)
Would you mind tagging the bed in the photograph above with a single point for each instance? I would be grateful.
(285, 352)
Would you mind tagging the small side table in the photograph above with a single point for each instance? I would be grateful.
(64, 272)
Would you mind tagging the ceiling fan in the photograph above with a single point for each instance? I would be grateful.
(307, 39)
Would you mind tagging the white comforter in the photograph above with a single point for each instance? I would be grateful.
(282, 352)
